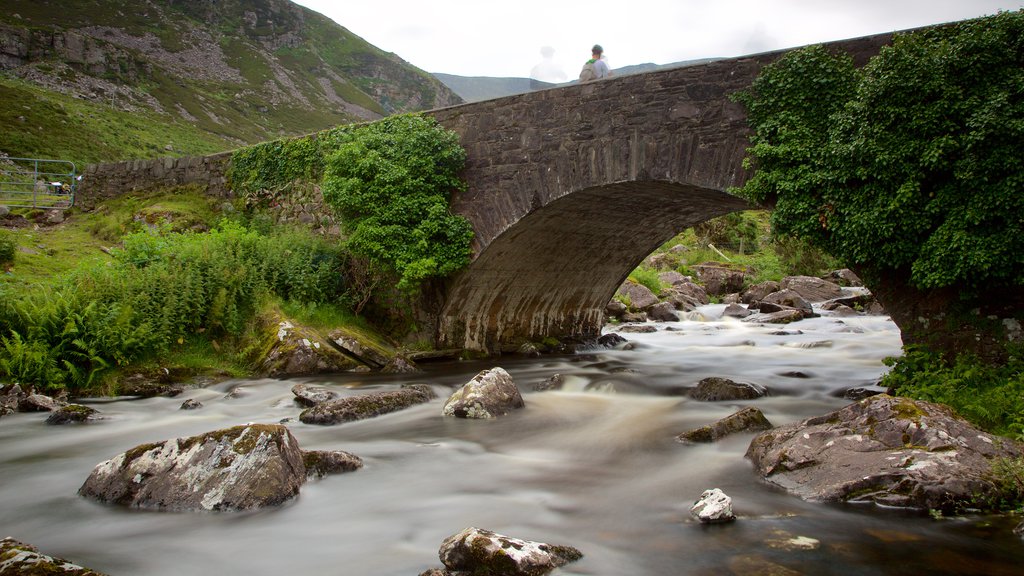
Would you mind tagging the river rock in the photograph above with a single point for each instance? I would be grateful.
(37, 403)
(632, 317)
(640, 297)
(713, 507)
(785, 298)
(781, 317)
(72, 413)
(716, 389)
(489, 394)
(757, 292)
(886, 450)
(400, 364)
(719, 280)
(366, 406)
(671, 277)
(238, 468)
(812, 289)
(365, 352)
(615, 309)
(320, 463)
(736, 311)
(843, 277)
(310, 395)
(479, 552)
(663, 312)
(18, 558)
(749, 419)
(553, 383)
(638, 328)
(687, 295)
(191, 404)
(611, 340)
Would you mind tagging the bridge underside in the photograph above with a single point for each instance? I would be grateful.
(554, 271)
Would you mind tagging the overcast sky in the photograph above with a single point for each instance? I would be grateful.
(486, 38)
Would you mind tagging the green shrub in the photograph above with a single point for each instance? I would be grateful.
(647, 277)
(7, 249)
(991, 397)
(390, 182)
(164, 291)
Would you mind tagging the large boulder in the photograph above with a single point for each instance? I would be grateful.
(714, 389)
(687, 295)
(238, 468)
(479, 552)
(354, 408)
(784, 299)
(663, 312)
(311, 395)
(718, 279)
(713, 507)
(72, 413)
(886, 450)
(489, 394)
(748, 419)
(812, 289)
(640, 297)
(320, 463)
(18, 558)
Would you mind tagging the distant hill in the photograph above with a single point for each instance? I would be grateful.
(477, 88)
(110, 79)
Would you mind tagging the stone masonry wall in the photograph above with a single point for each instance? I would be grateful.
(113, 179)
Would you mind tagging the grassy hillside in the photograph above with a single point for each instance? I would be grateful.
(89, 81)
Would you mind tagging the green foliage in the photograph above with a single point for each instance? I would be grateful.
(1009, 475)
(739, 232)
(799, 257)
(912, 163)
(7, 248)
(988, 396)
(390, 182)
(163, 292)
(647, 277)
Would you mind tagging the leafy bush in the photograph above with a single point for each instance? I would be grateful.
(390, 182)
(911, 163)
(162, 292)
(988, 396)
(737, 231)
(7, 249)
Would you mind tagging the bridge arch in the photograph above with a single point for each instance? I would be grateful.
(554, 270)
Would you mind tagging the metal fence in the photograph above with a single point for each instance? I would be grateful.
(37, 183)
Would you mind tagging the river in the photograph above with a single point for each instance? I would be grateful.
(594, 465)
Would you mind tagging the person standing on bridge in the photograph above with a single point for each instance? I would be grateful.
(596, 67)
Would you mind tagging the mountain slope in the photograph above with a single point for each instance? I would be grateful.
(213, 75)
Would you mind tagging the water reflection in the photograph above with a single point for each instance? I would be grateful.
(593, 465)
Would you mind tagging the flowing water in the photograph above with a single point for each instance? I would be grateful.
(593, 465)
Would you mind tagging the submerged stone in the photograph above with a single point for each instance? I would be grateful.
(749, 419)
(72, 413)
(310, 395)
(320, 463)
(716, 389)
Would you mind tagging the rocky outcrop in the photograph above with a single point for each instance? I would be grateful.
(366, 406)
(20, 559)
(716, 389)
(886, 450)
(297, 351)
(475, 551)
(749, 419)
(489, 394)
(237, 468)
(713, 507)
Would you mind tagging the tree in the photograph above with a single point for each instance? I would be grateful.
(390, 182)
(908, 169)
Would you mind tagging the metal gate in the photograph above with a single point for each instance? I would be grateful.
(37, 183)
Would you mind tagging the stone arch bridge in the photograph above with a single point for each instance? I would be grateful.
(571, 188)
(568, 190)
